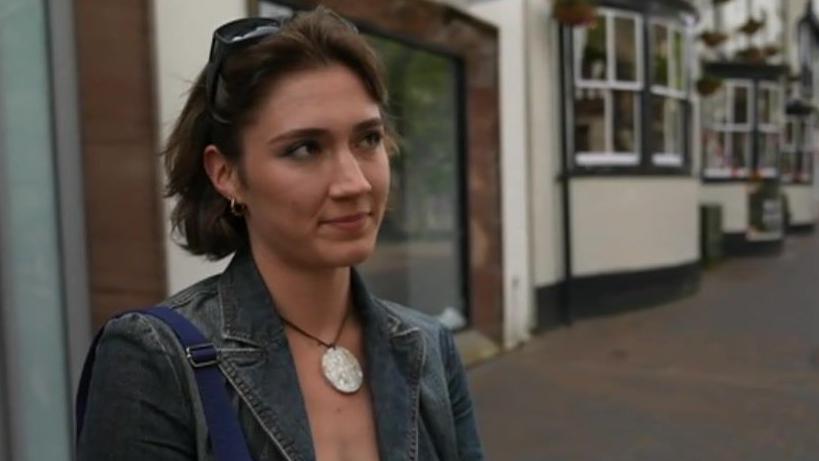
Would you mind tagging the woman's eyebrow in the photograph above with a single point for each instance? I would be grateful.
(374, 122)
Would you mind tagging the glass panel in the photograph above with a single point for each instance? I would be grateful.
(768, 150)
(678, 45)
(740, 109)
(590, 120)
(625, 42)
(418, 259)
(764, 110)
(659, 55)
(666, 125)
(788, 165)
(32, 295)
(625, 123)
(592, 50)
(740, 148)
(715, 149)
(715, 108)
(790, 134)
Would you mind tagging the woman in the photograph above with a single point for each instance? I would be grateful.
(281, 157)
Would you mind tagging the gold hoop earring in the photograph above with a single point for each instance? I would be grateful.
(236, 209)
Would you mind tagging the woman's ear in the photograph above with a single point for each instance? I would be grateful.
(223, 174)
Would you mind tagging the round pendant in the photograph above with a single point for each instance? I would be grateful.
(341, 368)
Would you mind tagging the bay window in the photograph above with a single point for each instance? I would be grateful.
(726, 131)
(608, 69)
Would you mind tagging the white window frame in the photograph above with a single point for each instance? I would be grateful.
(729, 128)
(771, 127)
(610, 157)
(790, 149)
(663, 158)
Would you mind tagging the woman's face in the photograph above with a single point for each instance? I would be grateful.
(315, 172)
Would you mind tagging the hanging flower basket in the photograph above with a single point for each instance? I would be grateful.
(708, 85)
(720, 2)
(752, 54)
(575, 13)
(770, 50)
(752, 26)
(713, 39)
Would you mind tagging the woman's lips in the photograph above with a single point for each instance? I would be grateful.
(352, 222)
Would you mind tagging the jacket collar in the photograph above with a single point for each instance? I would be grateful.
(394, 359)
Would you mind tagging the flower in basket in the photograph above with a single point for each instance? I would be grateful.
(752, 26)
(713, 39)
(708, 85)
(575, 13)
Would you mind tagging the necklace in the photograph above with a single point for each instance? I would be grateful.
(338, 364)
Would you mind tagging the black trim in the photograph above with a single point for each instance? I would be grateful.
(737, 244)
(670, 8)
(620, 292)
(801, 228)
(744, 71)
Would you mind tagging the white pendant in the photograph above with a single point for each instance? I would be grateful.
(341, 368)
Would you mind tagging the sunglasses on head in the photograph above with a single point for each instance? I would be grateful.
(234, 36)
(227, 39)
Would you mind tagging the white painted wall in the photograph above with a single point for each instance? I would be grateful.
(182, 36)
(545, 121)
(508, 16)
(801, 203)
(733, 197)
(631, 224)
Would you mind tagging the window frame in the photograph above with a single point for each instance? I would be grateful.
(680, 95)
(770, 127)
(611, 157)
(728, 128)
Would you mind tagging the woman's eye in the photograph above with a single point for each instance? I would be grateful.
(303, 150)
(371, 140)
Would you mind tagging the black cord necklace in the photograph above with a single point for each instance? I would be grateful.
(338, 364)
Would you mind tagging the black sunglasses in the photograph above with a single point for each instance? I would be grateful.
(237, 35)
(228, 39)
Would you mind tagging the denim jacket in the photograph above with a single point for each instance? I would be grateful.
(143, 402)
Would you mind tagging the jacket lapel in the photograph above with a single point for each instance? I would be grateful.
(267, 381)
(395, 357)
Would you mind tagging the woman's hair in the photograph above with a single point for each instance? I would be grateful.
(311, 40)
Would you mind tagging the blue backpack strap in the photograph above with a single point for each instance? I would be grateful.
(226, 437)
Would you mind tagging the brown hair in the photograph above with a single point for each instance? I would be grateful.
(310, 40)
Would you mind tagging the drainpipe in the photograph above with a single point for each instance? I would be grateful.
(565, 189)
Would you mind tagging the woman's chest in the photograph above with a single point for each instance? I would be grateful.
(342, 425)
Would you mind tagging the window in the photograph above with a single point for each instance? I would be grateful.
(418, 260)
(769, 112)
(608, 82)
(727, 131)
(790, 150)
(669, 93)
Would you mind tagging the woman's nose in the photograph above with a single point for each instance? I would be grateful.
(348, 178)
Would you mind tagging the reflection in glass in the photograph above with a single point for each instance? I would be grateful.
(625, 42)
(715, 150)
(666, 125)
(768, 149)
(417, 261)
(591, 42)
(741, 102)
(678, 47)
(714, 109)
(625, 121)
(659, 55)
(590, 120)
(740, 148)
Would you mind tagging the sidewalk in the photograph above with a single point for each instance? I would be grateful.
(731, 373)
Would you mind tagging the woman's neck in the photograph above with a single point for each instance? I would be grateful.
(315, 300)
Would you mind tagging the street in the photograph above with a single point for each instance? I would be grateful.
(731, 373)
